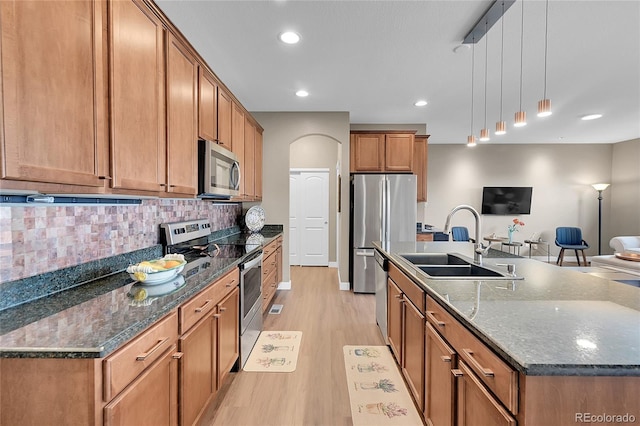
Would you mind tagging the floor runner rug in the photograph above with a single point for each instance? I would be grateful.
(275, 351)
(377, 392)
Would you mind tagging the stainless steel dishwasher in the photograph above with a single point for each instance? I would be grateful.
(381, 272)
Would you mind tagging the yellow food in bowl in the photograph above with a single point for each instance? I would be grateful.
(168, 264)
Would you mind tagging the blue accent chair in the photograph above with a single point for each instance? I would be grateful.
(570, 238)
(461, 233)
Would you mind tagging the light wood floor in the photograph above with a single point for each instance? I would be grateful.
(316, 392)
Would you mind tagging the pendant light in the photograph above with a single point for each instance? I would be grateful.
(521, 116)
(471, 139)
(501, 126)
(544, 105)
(484, 132)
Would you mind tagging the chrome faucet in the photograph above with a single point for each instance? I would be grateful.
(479, 249)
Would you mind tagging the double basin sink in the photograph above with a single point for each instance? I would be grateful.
(443, 266)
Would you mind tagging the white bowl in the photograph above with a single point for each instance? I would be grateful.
(145, 274)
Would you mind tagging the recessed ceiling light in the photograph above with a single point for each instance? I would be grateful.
(591, 117)
(420, 103)
(289, 37)
(302, 93)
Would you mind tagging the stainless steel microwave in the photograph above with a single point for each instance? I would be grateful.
(218, 171)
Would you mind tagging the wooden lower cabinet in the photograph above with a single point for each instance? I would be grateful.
(394, 319)
(476, 405)
(413, 350)
(271, 271)
(439, 389)
(198, 370)
(228, 322)
(151, 399)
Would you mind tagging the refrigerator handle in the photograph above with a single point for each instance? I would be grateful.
(381, 191)
(387, 214)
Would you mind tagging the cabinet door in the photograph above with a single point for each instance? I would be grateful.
(249, 159)
(137, 97)
(476, 405)
(413, 351)
(367, 152)
(198, 370)
(439, 391)
(224, 119)
(279, 265)
(420, 166)
(152, 399)
(258, 166)
(207, 106)
(182, 139)
(228, 333)
(52, 87)
(394, 319)
(398, 153)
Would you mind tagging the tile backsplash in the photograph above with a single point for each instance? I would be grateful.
(38, 239)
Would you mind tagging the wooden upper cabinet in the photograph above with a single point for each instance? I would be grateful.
(385, 151)
(137, 97)
(367, 152)
(182, 138)
(398, 151)
(249, 159)
(420, 165)
(53, 91)
(258, 167)
(224, 119)
(207, 106)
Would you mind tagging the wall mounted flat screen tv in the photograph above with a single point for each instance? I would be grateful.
(506, 200)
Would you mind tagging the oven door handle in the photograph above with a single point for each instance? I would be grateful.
(252, 263)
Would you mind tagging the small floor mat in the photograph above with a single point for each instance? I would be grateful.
(275, 351)
(377, 392)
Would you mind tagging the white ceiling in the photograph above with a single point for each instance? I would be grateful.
(374, 59)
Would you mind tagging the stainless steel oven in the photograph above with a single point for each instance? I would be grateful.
(250, 303)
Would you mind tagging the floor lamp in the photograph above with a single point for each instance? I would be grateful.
(600, 187)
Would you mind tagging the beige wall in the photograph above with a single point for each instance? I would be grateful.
(281, 129)
(561, 177)
(624, 191)
(317, 151)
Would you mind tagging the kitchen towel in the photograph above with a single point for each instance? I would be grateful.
(377, 392)
(275, 351)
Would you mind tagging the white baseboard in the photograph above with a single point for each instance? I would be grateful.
(284, 285)
(344, 285)
(333, 264)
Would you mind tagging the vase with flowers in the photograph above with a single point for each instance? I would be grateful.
(514, 228)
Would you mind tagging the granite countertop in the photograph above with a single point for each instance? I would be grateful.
(553, 322)
(93, 320)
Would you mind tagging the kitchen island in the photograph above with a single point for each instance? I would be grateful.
(569, 342)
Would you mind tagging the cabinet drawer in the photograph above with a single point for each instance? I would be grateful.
(408, 287)
(270, 248)
(268, 290)
(128, 362)
(496, 374)
(200, 305)
(268, 265)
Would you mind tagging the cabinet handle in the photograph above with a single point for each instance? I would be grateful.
(105, 177)
(485, 371)
(230, 283)
(456, 372)
(178, 355)
(217, 315)
(434, 319)
(222, 309)
(163, 184)
(201, 308)
(445, 358)
(143, 356)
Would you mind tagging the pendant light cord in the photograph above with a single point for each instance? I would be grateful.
(486, 67)
(546, 32)
(521, 51)
(473, 58)
(501, 58)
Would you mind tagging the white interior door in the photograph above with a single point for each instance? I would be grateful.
(294, 235)
(309, 217)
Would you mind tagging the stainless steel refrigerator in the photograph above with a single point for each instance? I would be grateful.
(383, 208)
